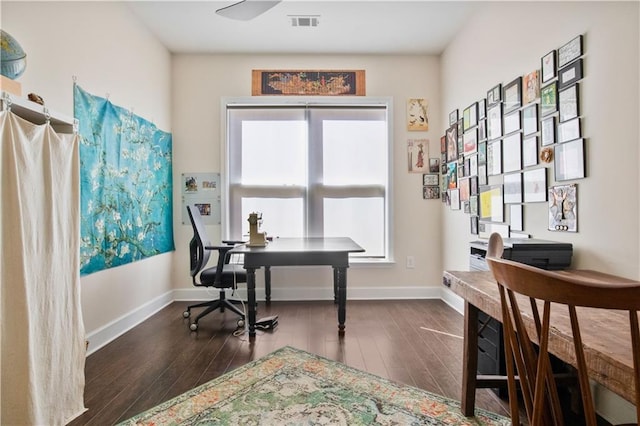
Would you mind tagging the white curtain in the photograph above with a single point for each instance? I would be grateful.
(42, 332)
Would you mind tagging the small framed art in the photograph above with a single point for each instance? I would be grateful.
(491, 203)
(515, 217)
(452, 175)
(494, 158)
(453, 117)
(470, 141)
(570, 74)
(570, 51)
(494, 122)
(548, 66)
(494, 95)
(474, 224)
(535, 185)
(530, 151)
(563, 208)
(470, 116)
(454, 199)
(430, 192)
(482, 153)
(512, 188)
(417, 119)
(512, 153)
(465, 189)
(512, 122)
(434, 165)
(568, 103)
(569, 160)
(530, 87)
(512, 95)
(548, 133)
(482, 130)
(569, 130)
(530, 119)
(473, 165)
(482, 109)
(452, 142)
(473, 205)
(430, 179)
(548, 99)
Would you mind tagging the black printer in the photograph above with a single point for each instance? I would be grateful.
(539, 253)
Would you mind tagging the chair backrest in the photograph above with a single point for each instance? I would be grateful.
(199, 256)
(533, 367)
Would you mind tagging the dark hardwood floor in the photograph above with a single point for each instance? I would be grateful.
(417, 342)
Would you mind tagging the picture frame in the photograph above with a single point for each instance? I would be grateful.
(482, 153)
(512, 95)
(434, 165)
(494, 122)
(512, 186)
(494, 158)
(530, 87)
(470, 141)
(548, 131)
(452, 175)
(548, 99)
(474, 188)
(511, 122)
(535, 185)
(548, 67)
(482, 174)
(568, 103)
(491, 203)
(530, 151)
(443, 144)
(516, 218)
(569, 130)
(453, 117)
(430, 179)
(482, 109)
(570, 51)
(451, 135)
(569, 160)
(482, 130)
(473, 220)
(512, 153)
(460, 138)
(417, 151)
(530, 119)
(465, 189)
(494, 95)
(570, 74)
(454, 199)
(563, 208)
(470, 116)
(473, 165)
(280, 82)
(431, 192)
(473, 204)
(417, 118)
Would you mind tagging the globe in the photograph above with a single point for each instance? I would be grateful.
(12, 57)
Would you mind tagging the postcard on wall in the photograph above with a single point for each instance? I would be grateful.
(418, 155)
(417, 119)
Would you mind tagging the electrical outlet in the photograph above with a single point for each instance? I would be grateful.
(411, 262)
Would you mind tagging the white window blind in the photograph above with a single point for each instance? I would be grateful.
(319, 170)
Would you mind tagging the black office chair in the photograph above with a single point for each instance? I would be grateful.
(222, 276)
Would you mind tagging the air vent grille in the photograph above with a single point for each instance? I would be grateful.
(305, 20)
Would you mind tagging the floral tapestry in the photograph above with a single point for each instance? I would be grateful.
(125, 185)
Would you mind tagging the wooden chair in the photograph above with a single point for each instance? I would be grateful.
(532, 368)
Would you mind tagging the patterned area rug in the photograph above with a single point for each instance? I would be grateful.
(293, 387)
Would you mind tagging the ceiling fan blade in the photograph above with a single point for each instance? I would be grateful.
(246, 10)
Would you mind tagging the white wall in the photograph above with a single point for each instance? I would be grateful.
(199, 83)
(105, 47)
(506, 40)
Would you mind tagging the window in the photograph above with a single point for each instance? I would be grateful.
(311, 170)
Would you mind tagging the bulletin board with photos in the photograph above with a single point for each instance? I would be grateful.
(520, 144)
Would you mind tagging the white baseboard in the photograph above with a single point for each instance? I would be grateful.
(109, 332)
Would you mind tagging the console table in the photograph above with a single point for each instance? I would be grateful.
(332, 252)
(607, 341)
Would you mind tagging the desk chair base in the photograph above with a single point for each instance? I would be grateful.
(221, 304)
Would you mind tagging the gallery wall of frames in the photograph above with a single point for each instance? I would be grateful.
(499, 151)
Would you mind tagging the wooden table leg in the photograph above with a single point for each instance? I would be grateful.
(335, 285)
(267, 283)
(341, 274)
(469, 360)
(251, 300)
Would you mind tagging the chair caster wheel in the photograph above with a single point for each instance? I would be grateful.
(193, 327)
(186, 314)
(240, 323)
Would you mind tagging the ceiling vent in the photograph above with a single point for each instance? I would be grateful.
(305, 20)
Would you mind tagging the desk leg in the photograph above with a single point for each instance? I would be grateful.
(267, 283)
(469, 360)
(335, 285)
(251, 300)
(340, 273)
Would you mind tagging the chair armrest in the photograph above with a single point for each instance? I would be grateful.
(233, 242)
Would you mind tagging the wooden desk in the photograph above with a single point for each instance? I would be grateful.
(605, 334)
(332, 252)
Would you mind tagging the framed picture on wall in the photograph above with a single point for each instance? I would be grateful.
(515, 217)
(569, 130)
(494, 95)
(535, 185)
(530, 87)
(570, 51)
(569, 160)
(470, 141)
(482, 109)
(512, 95)
(512, 122)
(548, 66)
(568, 103)
(452, 142)
(563, 208)
(548, 131)
(530, 151)
(454, 199)
(494, 158)
(512, 188)
(512, 153)
(530, 119)
(470, 116)
(494, 122)
(430, 179)
(548, 99)
(570, 74)
(453, 117)
(491, 203)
